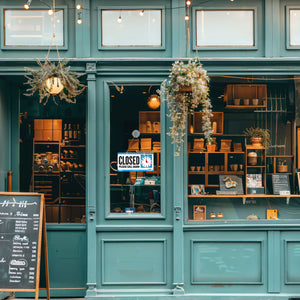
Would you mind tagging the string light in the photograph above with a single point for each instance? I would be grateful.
(141, 13)
(50, 12)
(78, 7)
(27, 4)
(188, 2)
(119, 20)
(186, 18)
(79, 20)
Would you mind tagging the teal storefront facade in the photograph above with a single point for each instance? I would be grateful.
(161, 255)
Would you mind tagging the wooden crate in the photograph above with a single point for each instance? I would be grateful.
(245, 91)
(149, 116)
(47, 129)
(217, 117)
(133, 145)
(225, 145)
(146, 144)
(198, 144)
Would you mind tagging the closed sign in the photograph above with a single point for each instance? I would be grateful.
(135, 162)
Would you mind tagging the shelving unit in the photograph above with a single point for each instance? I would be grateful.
(60, 175)
(208, 168)
(258, 169)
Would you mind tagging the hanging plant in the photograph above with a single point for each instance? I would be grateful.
(54, 79)
(186, 89)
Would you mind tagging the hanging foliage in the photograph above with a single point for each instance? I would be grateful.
(37, 81)
(186, 89)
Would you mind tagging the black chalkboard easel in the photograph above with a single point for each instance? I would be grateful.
(22, 228)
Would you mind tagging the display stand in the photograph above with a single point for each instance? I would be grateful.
(22, 242)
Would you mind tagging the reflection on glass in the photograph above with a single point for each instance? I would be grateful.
(129, 28)
(233, 28)
(294, 27)
(134, 130)
(33, 27)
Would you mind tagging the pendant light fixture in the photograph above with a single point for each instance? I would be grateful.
(154, 100)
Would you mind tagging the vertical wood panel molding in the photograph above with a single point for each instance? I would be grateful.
(273, 262)
(92, 178)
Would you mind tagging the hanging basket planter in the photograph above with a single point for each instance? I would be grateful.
(186, 90)
(54, 79)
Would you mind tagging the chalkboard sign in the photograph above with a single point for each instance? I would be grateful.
(21, 226)
(281, 184)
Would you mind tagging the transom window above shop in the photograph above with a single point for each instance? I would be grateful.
(135, 150)
(131, 28)
(234, 28)
(33, 27)
(294, 27)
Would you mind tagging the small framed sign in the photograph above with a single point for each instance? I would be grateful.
(199, 212)
(135, 162)
(281, 184)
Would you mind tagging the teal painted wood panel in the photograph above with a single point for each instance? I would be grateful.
(226, 262)
(222, 261)
(67, 259)
(131, 262)
(292, 270)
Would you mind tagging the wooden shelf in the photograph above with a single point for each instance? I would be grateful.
(215, 152)
(245, 91)
(290, 156)
(244, 106)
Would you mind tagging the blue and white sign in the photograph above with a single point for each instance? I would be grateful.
(135, 162)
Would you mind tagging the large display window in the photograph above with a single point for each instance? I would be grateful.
(53, 156)
(235, 178)
(135, 150)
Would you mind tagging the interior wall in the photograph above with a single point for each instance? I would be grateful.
(4, 135)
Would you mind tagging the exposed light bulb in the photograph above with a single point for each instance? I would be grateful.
(78, 7)
(79, 21)
(119, 20)
(27, 4)
(50, 12)
(186, 18)
(141, 13)
(188, 2)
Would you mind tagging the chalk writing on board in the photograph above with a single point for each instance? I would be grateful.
(14, 203)
(19, 236)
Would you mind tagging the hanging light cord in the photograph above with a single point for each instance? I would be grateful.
(53, 38)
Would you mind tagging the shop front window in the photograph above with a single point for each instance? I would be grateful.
(235, 178)
(33, 27)
(131, 28)
(294, 16)
(135, 150)
(53, 156)
(235, 28)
